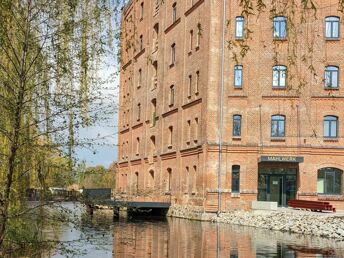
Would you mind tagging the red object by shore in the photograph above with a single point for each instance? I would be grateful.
(311, 205)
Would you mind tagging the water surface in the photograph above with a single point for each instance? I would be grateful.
(179, 238)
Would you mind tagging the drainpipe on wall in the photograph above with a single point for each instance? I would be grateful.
(221, 97)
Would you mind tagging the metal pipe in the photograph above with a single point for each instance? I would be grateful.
(221, 106)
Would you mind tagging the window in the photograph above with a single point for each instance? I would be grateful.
(235, 179)
(238, 76)
(170, 140)
(171, 100)
(174, 12)
(196, 130)
(239, 27)
(330, 126)
(169, 180)
(191, 40)
(142, 9)
(137, 146)
(329, 181)
(332, 26)
(277, 126)
(140, 79)
(173, 54)
(152, 138)
(280, 27)
(197, 83)
(154, 116)
(141, 42)
(198, 36)
(138, 112)
(237, 125)
(190, 86)
(279, 76)
(331, 77)
(188, 136)
(151, 183)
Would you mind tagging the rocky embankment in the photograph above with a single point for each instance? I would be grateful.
(293, 221)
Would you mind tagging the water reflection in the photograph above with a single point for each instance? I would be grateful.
(183, 238)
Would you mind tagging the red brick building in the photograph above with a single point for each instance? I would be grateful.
(255, 88)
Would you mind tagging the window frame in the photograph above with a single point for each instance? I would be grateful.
(278, 118)
(277, 28)
(173, 54)
(332, 20)
(236, 118)
(336, 174)
(235, 187)
(238, 69)
(239, 20)
(279, 69)
(331, 70)
(174, 12)
(330, 119)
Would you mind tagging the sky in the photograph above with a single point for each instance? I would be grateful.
(104, 150)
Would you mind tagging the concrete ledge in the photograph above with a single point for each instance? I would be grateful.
(259, 205)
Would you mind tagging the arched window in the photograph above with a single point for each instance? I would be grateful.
(239, 27)
(174, 12)
(151, 179)
(331, 77)
(169, 180)
(235, 179)
(280, 27)
(237, 125)
(330, 126)
(332, 27)
(279, 76)
(329, 181)
(277, 126)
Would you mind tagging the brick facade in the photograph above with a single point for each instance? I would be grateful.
(170, 103)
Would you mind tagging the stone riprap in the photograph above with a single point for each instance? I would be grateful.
(285, 220)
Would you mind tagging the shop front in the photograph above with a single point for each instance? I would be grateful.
(278, 178)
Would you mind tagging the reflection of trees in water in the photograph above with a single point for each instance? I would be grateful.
(184, 238)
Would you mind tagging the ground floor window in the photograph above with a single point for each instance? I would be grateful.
(329, 181)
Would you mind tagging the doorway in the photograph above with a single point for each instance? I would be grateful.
(276, 184)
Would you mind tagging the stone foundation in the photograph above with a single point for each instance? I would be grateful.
(293, 221)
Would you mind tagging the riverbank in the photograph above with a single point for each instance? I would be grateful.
(327, 225)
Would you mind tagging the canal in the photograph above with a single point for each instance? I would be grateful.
(102, 237)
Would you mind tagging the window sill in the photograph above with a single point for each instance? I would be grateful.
(170, 105)
(280, 39)
(190, 53)
(331, 88)
(195, 141)
(138, 86)
(239, 39)
(330, 197)
(141, 19)
(330, 140)
(278, 139)
(169, 147)
(196, 93)
(236, 138)
(168, 193)
(171, 65)
(279, 88)
(237, 87)
(332, 39)
(197, 48)
(188, 143)
(235, 195)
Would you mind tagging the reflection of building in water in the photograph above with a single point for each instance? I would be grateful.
(180, 238)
